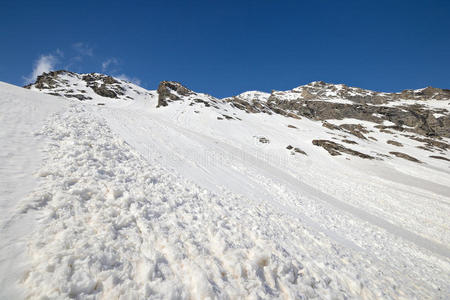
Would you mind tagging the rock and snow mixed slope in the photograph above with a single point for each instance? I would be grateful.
(177, 194)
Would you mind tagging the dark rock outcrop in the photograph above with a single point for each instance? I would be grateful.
(405, 156)
(439, 157)
(416, 118)
(349, 142)
(354, 129)
(77, 96)
(264, 140)
(298, 150)
(48, 80)
(103, 85)
(169, 91)
(395, 143)
(337, 149)
(431, 143)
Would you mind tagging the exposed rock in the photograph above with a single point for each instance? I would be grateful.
(337, 149)
(298, 150)
(103, 85)
(386, 131)
(104, 91)
(355, 129)
(47, 80)
(202, 101)
(252, 106)
(319, 90)
(292, 115)
(395, 143)
(425, 148)
(57, 82)
(315, 101)
(109, 80)
(330, 126)
(349, 141)
(291, 126)
(264, 140)
(419, 119)
(431, 143)
(289, 147)
(439, 157)
(169, 91)
(405, 156)
(78, 96)
(427, 93)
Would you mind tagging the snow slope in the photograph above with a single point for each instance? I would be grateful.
(22, 113)
(136, 201)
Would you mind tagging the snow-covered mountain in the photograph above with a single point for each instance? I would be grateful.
(322, 191)
(417, 117)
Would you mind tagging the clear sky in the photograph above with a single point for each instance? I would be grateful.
(227, 47)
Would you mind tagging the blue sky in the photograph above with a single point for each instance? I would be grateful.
(227, 47)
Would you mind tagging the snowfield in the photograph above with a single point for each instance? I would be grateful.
(129, 201)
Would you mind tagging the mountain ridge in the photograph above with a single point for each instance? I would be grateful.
(426, 93)
(421, 115)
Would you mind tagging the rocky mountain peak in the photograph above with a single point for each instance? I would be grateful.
(428, 93)
(48, 80)
(169, 91)
(84, 86)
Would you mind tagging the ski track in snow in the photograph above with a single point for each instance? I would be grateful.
(289, 196)
(127, 205)
(294, 184)
(113, 224)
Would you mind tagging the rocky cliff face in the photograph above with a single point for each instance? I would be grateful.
(169, 91)
(408, 110)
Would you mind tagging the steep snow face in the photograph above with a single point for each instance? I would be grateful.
(234, 198)
(118, 225)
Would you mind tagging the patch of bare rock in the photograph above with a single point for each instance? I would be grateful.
(439, 157)
(295, 150)
(395, 143)
(405, 156)
(337, 149)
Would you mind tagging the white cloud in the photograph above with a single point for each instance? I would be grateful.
(109, 62)
(83, 49)
(49, 62)
(45, 63)
(134, 80)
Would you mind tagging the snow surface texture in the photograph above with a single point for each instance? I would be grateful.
(21, 115)
(138, 202)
